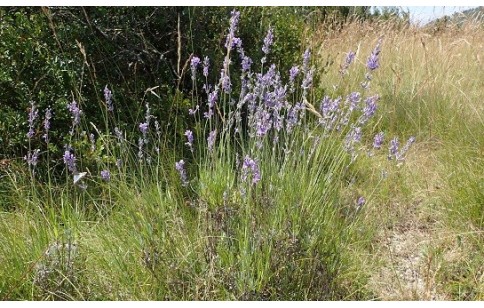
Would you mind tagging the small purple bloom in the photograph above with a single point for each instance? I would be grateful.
(193, 111)
(293, 72)
(70, 161)
(108, 97)
(143, 127)
(250, 167)
(180, 167)
(246, 63)
(106, 175)
(206, 65)
(194, 64)
(48, 116)
(378, 140)
(189, 135)
(119, 134)
(393, 149)
(360, 202)
(211, 139)
(401, 154)
(372, 63)
(32, 157)
(349, 58)
(93, 142)
(234, 21)
(33, 114)
(268, 41)
(76, 115)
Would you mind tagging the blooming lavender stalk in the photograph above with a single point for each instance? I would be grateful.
(206, 66)
(350, 56)
(251, 167)
(373, 60)
(393, 149)
(143, 127)
(268, 41)
(193, 65)
(33, 114)
(106, 175)
(378, 140)
(234, 21)
(189, 135)
(108, 98)
(70, 161)
(211, 140)
(360, 202)
(48, 116)
(32, 157)
(180, 167)
(401, 155)
(93, 142)
(76, 115)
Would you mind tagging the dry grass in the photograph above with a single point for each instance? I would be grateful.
(431, 83)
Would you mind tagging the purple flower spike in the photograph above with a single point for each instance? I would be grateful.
(293, 73)
(106, 175)
(143, 127)
(250, 167)
(211, 139)
(194, 64)
(70, 161)
(108, 98)
(206, 65)
(378, 140)
(180, 167)
(360, 202)
(393, 149)
(33, 114)
(32, 158)
(189, 135)
(372, 63)
(48, 116)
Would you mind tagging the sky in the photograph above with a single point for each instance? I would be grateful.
(424, 14)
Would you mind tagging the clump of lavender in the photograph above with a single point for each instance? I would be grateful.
(70, 161)
(106, 175)
(48, 116)
(193, 65)
(180, 167)
(75, 113)
(33, 114)
(250, 167)
(189, 135)
(108, 98)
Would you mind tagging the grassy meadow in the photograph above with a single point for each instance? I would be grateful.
(357, 175)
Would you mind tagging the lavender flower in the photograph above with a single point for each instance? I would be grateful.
(306, 58)
(293, 72)
(268, 41)
(76, 115)
(193, 111)
(119, 134)
(143, 127)
(246, 63)
(206, 65)
(360, 202)
(234, 21)
(93, 142)
(189, 135)
(401, 154)
(32, 157)
(250, 167)
(211, 139)
(378, 140)
(70, 161)
(350, 56)
(372, 63)
(393, 149)
(354, 98)
(48, 116)
(106, 175)
(108, 98)
(370, 108)
(194, 64)
(33, 114)
(180, 167)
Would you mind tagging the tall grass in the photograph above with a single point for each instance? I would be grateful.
(431, 84)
